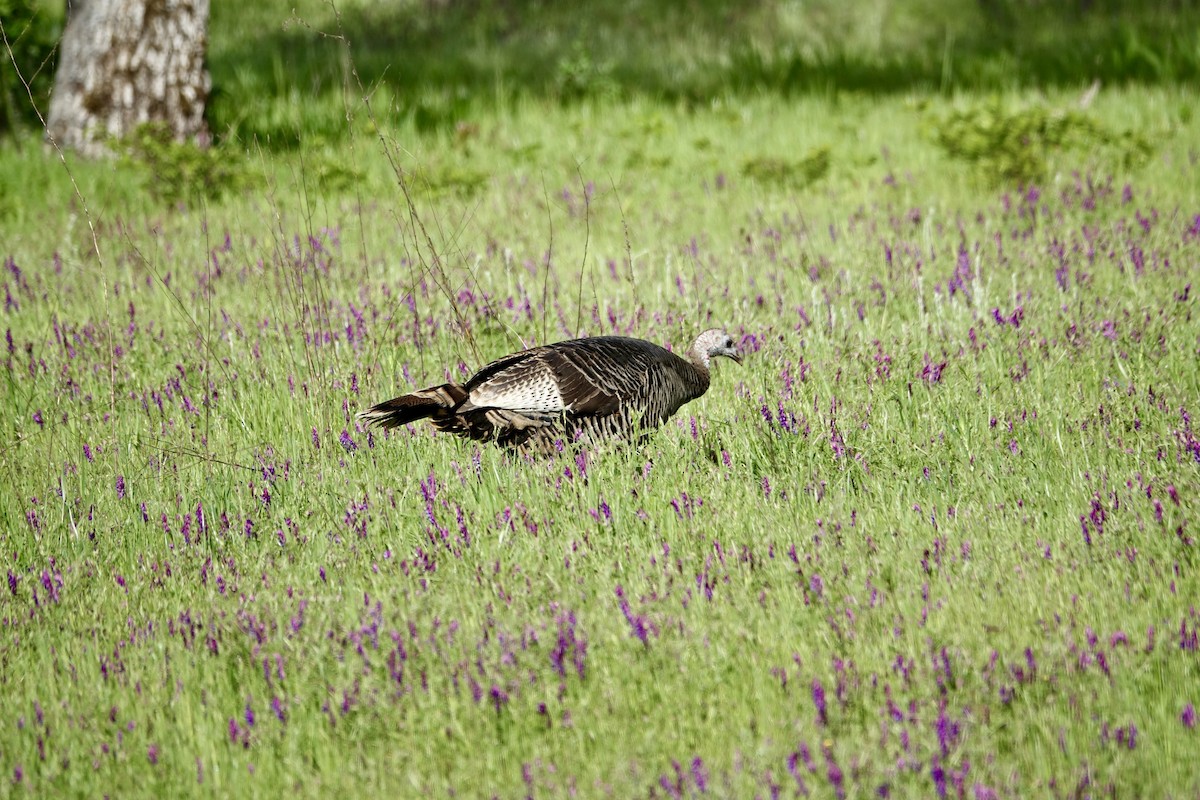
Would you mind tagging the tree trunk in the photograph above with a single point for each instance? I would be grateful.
(123, 63)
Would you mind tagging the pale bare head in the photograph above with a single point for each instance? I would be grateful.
(715, 342)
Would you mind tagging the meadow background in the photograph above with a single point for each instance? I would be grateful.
(935, 538)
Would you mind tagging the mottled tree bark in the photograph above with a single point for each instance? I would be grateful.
(126, 62)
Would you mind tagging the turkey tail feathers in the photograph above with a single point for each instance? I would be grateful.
(436, 401)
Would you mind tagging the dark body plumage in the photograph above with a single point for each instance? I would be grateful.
(590, 389)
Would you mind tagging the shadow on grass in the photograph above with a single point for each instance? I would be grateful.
(434, 61)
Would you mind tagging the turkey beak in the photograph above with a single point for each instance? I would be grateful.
(733, 354)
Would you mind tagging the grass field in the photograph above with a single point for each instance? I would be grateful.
(935, 537)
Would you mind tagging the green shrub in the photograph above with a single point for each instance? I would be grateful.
(174, 171)
(578, 75)
(439, 178)
(31, 34)
(783, 172)
(1012, 145)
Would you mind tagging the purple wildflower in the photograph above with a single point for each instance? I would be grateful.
(962, 273)
(1190, 642)
(931, 373)
(1060, 275)
(794, 771)
(939, 778)
(700, 774)
(639, 626)
(120, 487)
(947, 730)
(1128, 736)
(499, 697)
(835, 774)
(818, 696)
(1188, 717)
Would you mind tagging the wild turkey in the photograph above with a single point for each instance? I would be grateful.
(592, 389)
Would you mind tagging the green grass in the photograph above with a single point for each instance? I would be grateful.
(967, 372)
(433, 65)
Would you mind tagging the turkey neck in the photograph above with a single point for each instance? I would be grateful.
(698, 376)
